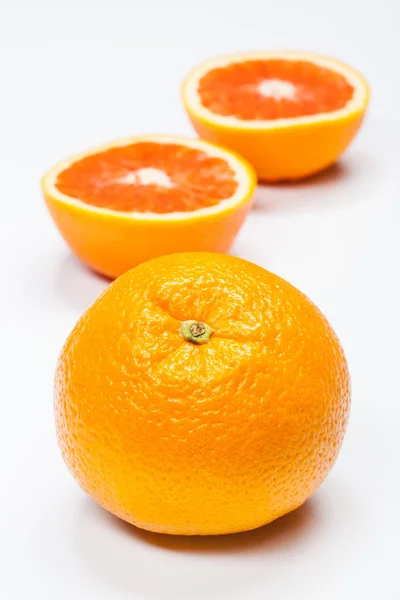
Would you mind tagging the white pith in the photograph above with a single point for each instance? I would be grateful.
(193, 100)
(278, 89)
(243, 176)
(146, 176)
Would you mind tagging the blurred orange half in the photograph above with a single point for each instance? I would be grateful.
(129, 201)
(290, 114)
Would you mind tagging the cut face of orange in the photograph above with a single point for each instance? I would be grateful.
(143, 197)
(263, 90)
(149, 177)
(290, 114)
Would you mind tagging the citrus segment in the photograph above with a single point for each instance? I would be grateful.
(135, 199)
(273, 89)
(149, 177)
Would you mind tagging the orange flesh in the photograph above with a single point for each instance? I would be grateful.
(234, 90)
(118, 179)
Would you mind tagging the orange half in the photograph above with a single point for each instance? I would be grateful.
(290, 114)
(135, 199)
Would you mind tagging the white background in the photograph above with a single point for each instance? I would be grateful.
(77, 73)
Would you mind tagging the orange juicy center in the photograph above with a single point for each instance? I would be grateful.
(149, 177)
(273, 89)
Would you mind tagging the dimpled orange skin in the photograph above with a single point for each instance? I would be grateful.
(191, 439)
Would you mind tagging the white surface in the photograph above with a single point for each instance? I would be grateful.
(74, 74)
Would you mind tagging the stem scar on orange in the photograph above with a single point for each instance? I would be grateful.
(291, 114)
(135, 199)
(201, 394)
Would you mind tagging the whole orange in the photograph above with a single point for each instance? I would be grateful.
(201, 394)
